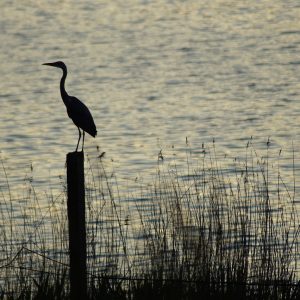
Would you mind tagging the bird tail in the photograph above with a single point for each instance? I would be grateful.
(95, 133)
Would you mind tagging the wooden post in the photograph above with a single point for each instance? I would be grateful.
(77, 233)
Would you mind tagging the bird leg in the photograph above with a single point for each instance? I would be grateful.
(82, 139)
(78, 139)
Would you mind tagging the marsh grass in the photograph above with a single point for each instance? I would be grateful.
(215, 231)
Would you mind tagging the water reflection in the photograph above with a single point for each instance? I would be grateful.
(148, 70)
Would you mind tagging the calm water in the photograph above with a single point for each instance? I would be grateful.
(152, 73)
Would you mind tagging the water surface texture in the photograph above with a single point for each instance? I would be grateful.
(152, 74)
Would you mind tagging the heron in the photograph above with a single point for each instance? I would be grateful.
(77, 110)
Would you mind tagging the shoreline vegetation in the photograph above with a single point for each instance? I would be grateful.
(210, 232)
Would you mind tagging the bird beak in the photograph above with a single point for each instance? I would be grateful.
(50, 64)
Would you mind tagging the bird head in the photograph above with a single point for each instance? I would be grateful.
(57, 64)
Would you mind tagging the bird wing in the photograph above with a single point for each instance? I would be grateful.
(81, 116)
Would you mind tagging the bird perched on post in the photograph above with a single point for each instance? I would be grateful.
(76, 110)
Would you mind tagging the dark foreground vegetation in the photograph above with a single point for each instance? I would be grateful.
(213, 232)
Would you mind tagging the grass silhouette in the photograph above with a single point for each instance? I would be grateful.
(213, 232)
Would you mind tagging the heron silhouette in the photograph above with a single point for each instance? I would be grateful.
(77, 111)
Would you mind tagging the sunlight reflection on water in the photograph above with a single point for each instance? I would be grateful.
(148, 71)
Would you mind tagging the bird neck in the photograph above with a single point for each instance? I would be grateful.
(64, 94)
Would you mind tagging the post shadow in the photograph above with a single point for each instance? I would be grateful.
(77, 230)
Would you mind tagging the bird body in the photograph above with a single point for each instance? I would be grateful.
(77, 110)
(81, 116)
